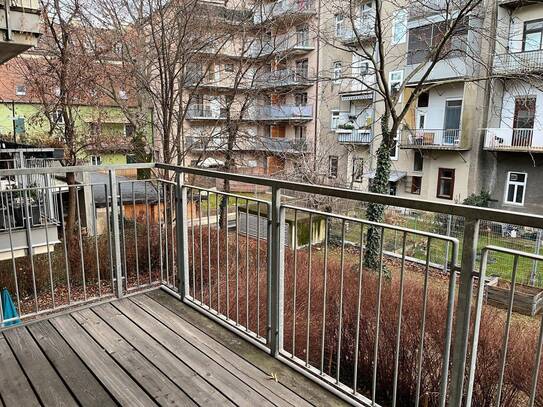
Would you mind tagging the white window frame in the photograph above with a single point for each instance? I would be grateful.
(96, 160)
(330, 159)
(508, 182)
(123, 95)
(334, 119)
(361, 177)
(20, 90)
(57, 117)
(399, 27)
(339, 24)
(396, 141)
(392, 81)
(337, 72)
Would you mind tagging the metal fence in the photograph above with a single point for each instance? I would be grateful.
(300, 283)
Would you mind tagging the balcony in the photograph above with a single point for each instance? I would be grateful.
(270, 145)
(519, 63)
(291, 9)
(283, 78)
(19, 27)
(205, 113)
(434, 139)
(363, 30)
(420, 11)
(173, 293)
(354, 136)
(291, 45)
(277, 113)
(518, 140)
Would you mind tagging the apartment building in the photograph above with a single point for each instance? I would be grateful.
(19, 27)
(513, 136)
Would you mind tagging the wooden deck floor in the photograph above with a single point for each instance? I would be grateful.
(143, 350)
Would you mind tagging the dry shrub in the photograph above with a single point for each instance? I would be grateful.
(304, 332)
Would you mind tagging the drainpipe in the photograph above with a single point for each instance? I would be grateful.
(9, 35)
(316, 114)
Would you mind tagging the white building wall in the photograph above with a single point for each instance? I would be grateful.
(438, 97)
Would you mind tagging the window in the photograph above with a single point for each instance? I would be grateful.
(302, 36)
(515, 188)
(129, 130)
(339, 21)
(95, 160)
(423, 99)
(422, 120)
(445, 183)
(299, 132)
(95, 129)
(229, 67)
(358, 169)
(332, 166)
(57, 117)
(118, 48)
(399, 27)
(300, 99)
(335, 120)
(122, 94)
(418, 161)
(337, 72)
(20, 90)
(416, 184)
(302, 69)
(131, 159)
(533, 35)
(395, 79)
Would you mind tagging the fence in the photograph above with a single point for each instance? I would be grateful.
(318, 290)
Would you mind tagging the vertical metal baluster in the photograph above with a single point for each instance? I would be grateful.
(537, 363)
(378, 321)
(341, 278)
(218, 253)
(227, 260)
(134, 214)
(95, 230)
(51, 282)
(258, 268)
(308, 323)
(66, 263)
(173, 243)
(27, 215)
(247, 265)
(193, 236)
(294, 284)
(208, 252)
(123, 234)
(358, 305)
(503, 357)
(201, 247)
(423, 321)
(109, 225)
(324, 289)
(399, 324)
(13, 264)
(81, 255)
(161, 261)
(237, 261)
(165, 200)
(148, 227)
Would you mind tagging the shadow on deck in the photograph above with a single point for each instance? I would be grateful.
(143, 350)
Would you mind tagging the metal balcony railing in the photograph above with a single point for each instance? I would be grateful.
(282, 78)
(514, 139)
(283, 8)
(431, 138)
(354, 136)
(282, 112)
(294, 280)
(282, 44)
(205, 112)
(362, 28)
(519, 62)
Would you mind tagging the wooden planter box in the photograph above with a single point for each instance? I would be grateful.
(528, 300)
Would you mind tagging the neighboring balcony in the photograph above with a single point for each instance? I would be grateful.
(272, 145)
(287, 8)
(515, 140)
(517, 63)
(298, 44)
(354, 136)
(436, 139)
(205, 113)
(283, 112)
(363, 30)
(283, 78)
(19, 27)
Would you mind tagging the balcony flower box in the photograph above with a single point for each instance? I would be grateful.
(528, 300)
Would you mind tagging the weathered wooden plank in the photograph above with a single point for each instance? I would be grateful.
(237, 391)
(301, 385)
(14, 386)
(84, 386)
(196, 387)
(160, 387)
(238, 366)
(119, 384)
(45, 380)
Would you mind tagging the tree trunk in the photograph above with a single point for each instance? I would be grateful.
(380, 184)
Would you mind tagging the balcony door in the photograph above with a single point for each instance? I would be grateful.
(453, 112)
(523, 121)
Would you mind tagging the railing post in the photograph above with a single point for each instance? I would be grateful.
(463, 310)
(115, 230)
(182, 236)
(276, 274)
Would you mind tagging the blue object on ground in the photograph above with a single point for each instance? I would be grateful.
(9, 310)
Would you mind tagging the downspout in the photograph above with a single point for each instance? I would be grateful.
(316, 114)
